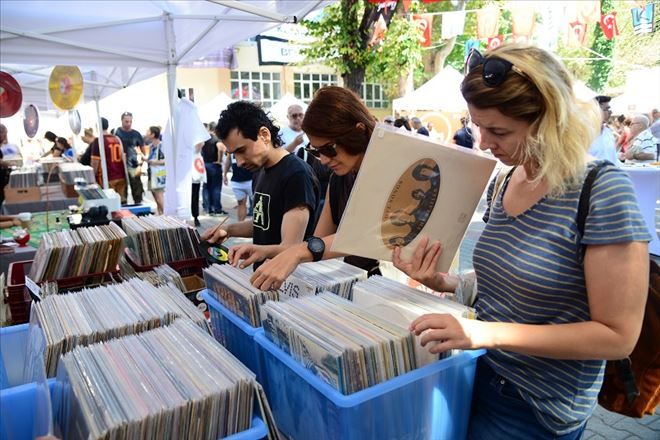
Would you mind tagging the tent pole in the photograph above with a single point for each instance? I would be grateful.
(104, 169)
(172, 95)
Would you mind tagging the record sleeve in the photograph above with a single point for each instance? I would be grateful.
(408, 187)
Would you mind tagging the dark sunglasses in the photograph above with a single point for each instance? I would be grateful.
(296, 115)
(328, 150)
(494, 69)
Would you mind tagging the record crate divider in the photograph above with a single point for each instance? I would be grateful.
(190, 266)
(431, 402)
(18, 296)
(237, 336)
(20, 398)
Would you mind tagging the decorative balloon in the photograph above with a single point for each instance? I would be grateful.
(65, 86)
(74, 121)
(31, 120)
(11, 96)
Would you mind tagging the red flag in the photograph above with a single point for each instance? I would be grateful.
(608, 25)
(577, 34)
(424, 23)
(406, 5)
(380, 27)
(494, 42)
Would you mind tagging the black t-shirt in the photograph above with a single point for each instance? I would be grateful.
(278, 189)
(130, 140)
(239, 174)
(210, 150)
(340, 190)
(463, 137)
(423, 130)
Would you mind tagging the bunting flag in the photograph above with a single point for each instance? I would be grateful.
(453, 24)
(608, 25)
(552, 14)
(588, 11)
(523, 17)
(642, 19)
(424, 23)
(487, 21)
(469, 45)
(406, 5)
(380, 27)
(520, 39)
(576, 35)
(494, 42)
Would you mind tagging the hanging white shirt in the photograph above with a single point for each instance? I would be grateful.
(189, 132)
(453, 24)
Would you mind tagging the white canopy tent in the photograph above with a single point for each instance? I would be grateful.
(148, 36)
(211, 110)
(442, 92)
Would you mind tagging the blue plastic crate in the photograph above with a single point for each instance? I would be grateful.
(13, 343)
(257, 431)
(236, 335)
(432, 402)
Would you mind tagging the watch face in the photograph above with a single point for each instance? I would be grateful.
(316, 245)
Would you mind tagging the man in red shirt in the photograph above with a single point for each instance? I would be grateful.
(114, 160)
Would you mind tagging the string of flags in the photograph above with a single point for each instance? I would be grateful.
(568, 21)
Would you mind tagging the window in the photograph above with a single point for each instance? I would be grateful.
(373, 96)
(306, 84)
(264, 87)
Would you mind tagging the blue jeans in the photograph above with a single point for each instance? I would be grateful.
(498, 411)
(212, 192)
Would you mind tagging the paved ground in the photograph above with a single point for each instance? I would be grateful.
(603, 425)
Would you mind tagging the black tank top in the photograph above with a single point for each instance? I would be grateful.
(340, 190)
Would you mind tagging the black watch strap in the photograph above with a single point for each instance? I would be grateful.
(316, 246)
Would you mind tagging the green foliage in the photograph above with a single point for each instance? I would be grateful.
(600, 69)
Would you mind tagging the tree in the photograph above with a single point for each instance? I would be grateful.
(342, 37)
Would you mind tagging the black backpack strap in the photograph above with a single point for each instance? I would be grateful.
(585, 195)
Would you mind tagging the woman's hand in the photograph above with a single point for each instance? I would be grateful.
(421, 266)
(446, 332)
(249, 253)
(271, 274)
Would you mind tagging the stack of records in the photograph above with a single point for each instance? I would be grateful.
(168, 275)
(49, 164)
(330, 275)
(107, 312)
(232, 288)
(171, 382)
(69, 172)
(341, 343)
(160, 239)
(82, 251)
(401, 305)
(89, 191)
(24, 178)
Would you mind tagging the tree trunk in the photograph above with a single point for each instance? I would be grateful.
(353, 80)
(442, 54)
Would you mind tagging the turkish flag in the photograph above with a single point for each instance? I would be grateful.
(424, 23)
(608, 25)
(577, 34)
(494, 42)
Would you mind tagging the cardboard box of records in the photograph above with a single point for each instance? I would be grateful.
(22, 195)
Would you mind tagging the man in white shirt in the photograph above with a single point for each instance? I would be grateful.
(603, 147)
(292, 136)
(643, 147)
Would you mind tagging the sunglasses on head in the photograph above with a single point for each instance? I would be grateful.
(494, 69)
(328, 150)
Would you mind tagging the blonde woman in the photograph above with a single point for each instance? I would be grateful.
(547, 318)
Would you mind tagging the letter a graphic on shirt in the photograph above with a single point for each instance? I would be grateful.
(261, 214)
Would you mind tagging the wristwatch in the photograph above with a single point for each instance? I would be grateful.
(316, 246)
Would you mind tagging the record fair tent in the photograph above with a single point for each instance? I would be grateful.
(129, 41)
(442, 92)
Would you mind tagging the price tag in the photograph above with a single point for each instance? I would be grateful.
(33, 288)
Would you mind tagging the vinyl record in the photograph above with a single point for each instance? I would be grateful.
(31, 120)
(11, 96)
(65, 86)
(74, 121)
